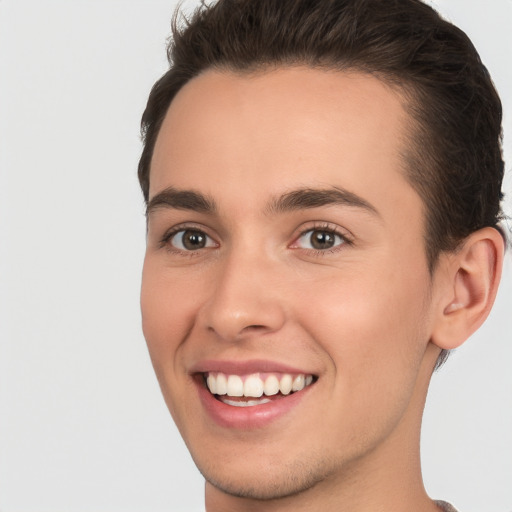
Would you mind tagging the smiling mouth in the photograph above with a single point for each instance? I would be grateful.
(256, 388)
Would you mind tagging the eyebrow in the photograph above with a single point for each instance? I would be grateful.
(299, 199)
(181, 200)
(305, 198)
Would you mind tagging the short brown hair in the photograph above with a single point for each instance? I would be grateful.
(454, 160)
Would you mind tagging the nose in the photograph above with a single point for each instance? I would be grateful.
(245, 299)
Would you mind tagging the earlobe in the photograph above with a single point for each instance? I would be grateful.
(469, 288)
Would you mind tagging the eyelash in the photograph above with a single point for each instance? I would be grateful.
(322, 227)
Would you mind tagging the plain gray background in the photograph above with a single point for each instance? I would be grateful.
(82, 424)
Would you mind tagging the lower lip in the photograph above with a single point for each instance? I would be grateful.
(247, 418)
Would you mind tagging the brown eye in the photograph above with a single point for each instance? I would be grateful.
(319, 240)
(191, 240)
(322, 240)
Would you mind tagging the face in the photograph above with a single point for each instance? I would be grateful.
(286, 294)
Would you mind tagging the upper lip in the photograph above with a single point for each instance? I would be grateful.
(245, 367)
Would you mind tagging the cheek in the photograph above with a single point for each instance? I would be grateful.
(375, 309)
(167, 307)
(374, 329)
(373, 336)
(166, 315)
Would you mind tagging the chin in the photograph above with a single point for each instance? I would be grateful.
(270, 481)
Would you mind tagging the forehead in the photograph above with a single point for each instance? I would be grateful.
(254, 135)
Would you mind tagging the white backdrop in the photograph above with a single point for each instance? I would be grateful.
(82, 424)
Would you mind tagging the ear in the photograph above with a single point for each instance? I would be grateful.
(468, 286)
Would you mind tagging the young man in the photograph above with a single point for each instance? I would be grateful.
(323, 195)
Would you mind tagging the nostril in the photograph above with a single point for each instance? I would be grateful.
(254, 329)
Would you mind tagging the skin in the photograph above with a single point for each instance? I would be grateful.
(361, 316)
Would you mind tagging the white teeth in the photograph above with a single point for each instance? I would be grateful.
(254, 386)
(222, 384)
(235, 386)
(211, 381)
(298, 383)
(246, 403)
(271, 385)
(285, 386)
